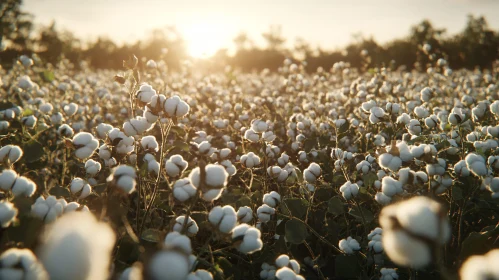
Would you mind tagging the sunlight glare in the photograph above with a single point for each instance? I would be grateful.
(203, 39)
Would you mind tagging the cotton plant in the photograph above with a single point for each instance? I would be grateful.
(411, 230)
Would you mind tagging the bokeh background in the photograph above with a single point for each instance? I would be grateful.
(250, 35)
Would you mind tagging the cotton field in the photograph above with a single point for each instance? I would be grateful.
(148, 173)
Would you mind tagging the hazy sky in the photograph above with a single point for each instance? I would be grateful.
(328, 23)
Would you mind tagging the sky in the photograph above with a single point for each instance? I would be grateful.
(208, 25)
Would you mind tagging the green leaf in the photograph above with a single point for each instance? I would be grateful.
(478, 243)
(457, 193)
(177, 130)
(368, 215)
(33, 151)
(243, 201)
(60, 192)
(27, 112)
(151, 235)
(48, 76)
(297, 207)
(309, 144)
(369, 179)
(295, 231)
(347, 267)
(335, 206)
(181, 145)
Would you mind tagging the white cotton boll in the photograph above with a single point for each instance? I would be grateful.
(29, 121)
(23, 186)
(404, 119)
(456, 117)
(366, 106)
(349, 190)
(377, 114)
(283, 159)
(421, 112)
(349, 245)
(145, 94)
(169, 265)
(425, 94)
(176, 107)
(102, 129)
(437, 168)
(431, 121)
(104, 152)
(414, 127)
(382, 198)
(123, 177)
(200, 274)
(69, 234)
(476, 164)
(4, 125)
(379, 140)
(364, 167)
(71, 109)
(175, 165)
(492, 184)
(48, 209)
(481, 267)
(493, 131)
(312, 173)
(268, 136)
(229, 167)
(251, 135)
(10, 153)
(388, 274)
(149, 143)
(133, 272)
(85, 145)
(7, 179)
(191, 226)
(392, 108)
(21, 264)
(244, 214)
(493, 162)
(92, 167)
(268, 272)
(259, 126)
(461, 169)
(246, 239)
(136, 126)
(441, 183)
(375, 244)
(175, 240)
(183, 190)
(205, 148)
(46, 108)
(389, 161)
(223, 218)
(79, 186)
(56, 118)
(404, 226)
(264, 213)
(8, 212)
(216, 179)
(65, 130)
(494, 108)
(272, 199)
(390, 186)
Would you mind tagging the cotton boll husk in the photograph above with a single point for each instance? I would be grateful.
(68, 251)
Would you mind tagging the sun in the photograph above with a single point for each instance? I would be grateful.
(203, 39)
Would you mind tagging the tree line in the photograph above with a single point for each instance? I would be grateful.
(477, 45)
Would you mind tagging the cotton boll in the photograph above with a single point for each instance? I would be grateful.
(133, 272)
(481, 267)
(85, 145)
(375, 244)
(191, 226)
(441, 183)
(312, 173)
(136, 126)
(183, 190)
(388, 161)
(259, 126)
(388, 274)
(251, 135)
(431, 121)
(403, 119)
(272, 199)
(349, 245)
(246, 239)
(414, 127)
(29, 121)
(349, 190)
(229, 167)
(123, 177)
(175, 165)
(102, 129)
(71, 109)
(205, 148)
(69, 234)
(175, 240)
(79, 186)
(149, 143)
(456, 117)
(168, 265)
(364, 167)
(409, 225)
(200, 274)
(437, 168)
(7, 179)
(10, 154)
(264, 213)
(461, 169)
(23, 186)
(48, 209)
(425, 94)
(268, 272)
(421, 112)
(377, 114)
(390, 186)
(223, 218)
(92, 167)
(8, 213)
(176, 107)
(21, 264)
(215, 181)
(145, 94)
(492, 185)
(476, 164)
(382, 198)
(494, 108)
(277, 173)
(244, 214)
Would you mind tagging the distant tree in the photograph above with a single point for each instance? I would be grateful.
(274, 37)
